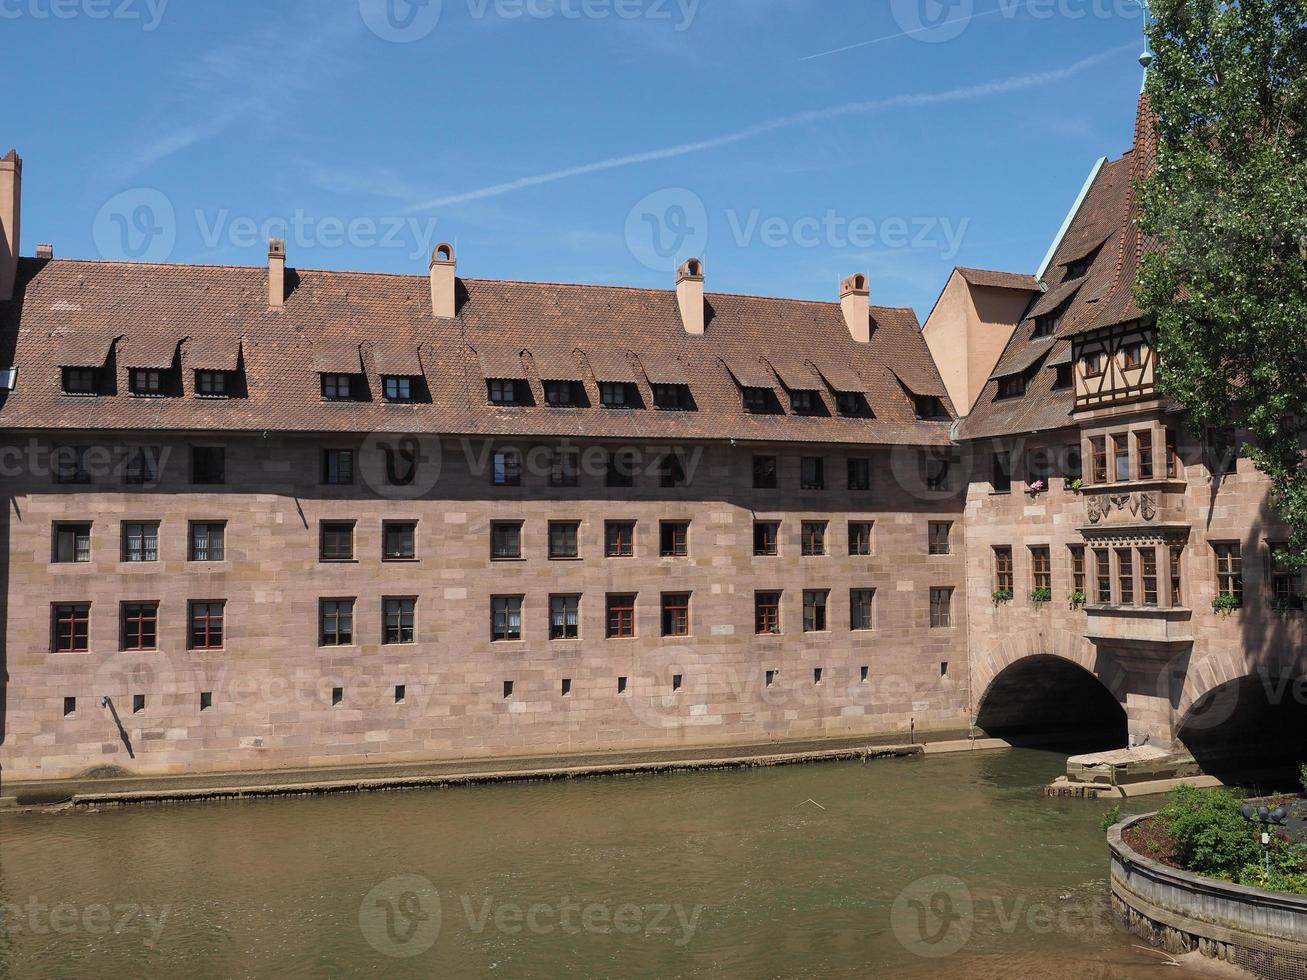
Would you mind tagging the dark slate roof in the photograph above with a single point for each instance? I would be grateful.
(1105, 228)
(90, 313)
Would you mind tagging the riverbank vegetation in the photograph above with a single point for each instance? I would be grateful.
(1204, 832)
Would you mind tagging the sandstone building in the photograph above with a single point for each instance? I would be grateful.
(272, 517)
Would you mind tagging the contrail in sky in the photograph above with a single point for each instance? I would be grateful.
(966, 93)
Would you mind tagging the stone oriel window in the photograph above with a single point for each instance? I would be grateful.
(620, 615)
(1176, 557)
(1125, 576)
(676, 614)
(941, 607)
(1103, 576)
(70, 627)
(1144, 454)
(766, 612)
(1098, 459)
(1120, 457)
(1077, 567)
(336, 622)
(1148, 575)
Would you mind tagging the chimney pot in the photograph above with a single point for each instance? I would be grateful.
(442, 270)
(689, 296)
(855, 302)
(44, 251)
(276, 272)
(11, 198)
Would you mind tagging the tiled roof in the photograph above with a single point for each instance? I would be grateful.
(88, 313)
(1103, 297)
(1001, 280)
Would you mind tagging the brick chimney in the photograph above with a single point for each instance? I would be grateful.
(44, 250)
(689, 296)
(11, 194)
(276, 272)
(855, 299)
(443, 303)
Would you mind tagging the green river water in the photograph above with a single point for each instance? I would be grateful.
(945, 866)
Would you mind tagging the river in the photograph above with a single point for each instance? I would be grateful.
(944, 866)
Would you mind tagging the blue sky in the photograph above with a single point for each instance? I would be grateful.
(787, 142)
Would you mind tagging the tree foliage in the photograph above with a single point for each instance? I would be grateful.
(1227, 204)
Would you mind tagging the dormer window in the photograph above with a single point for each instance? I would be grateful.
(618, 394)
(761, 401)
(1046, 324)
(673, 398)
(337, 387)
(146, 381)
(397, 389)
(853, 405)
(212, 384)
(564, 394)
(805, 403)
(1013, 386)
(1063, 377)
(1079, 268)
(80, 381)
(928, 406)
(506, 391)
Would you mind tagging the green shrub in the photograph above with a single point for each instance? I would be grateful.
(1001, 595)
(1211, 836)
(1077, 599)
(1224, 602)
(1302, 775)
(1041, 596)
(1111, 818)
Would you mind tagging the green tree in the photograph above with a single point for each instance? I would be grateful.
(1227, 205)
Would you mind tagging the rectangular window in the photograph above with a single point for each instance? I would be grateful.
(859, 474)
(1077, 567)
(673, 398)
(1284, 580)
(674, 539)
(207, 541)
(619, 539)
(72, 543)
(69, 465)
(505, 540)
(941, 607)
(141, 541)
(764, 472)
(766, 538)
(1003, 578)
(1229, 569)
(141, 466)
(505, 618)
(1103, 576)
(145, 381)
(1172, 456)
(938, 538)
(812, 473)
(1093, 365)
(853, 405)
(1148, 575)
(1132, 355)
(618, 394)
(397, 616)
(620, 616)
(338, 466)
(620, 470)
(1125, 574)
(860, 537)
(1221, 451)
(563, 539)
(398, 540)
(564, 617)
(564, 468)
(140, 625)
(1098, 459)
(1121, 458)
(337, 387)
(1072, 467)
(1013, 386)
(860, 602)
(336, 622)
(676, 614)
(71, 627)
(760, 401)
(766, 612)
(1144, 454)
(397, 389)
(80, 381)
(1061, 377)
(506, 469)
(1041, 570)
(814, 538)
(928, 406)
(804, 402)
(671, 471)
(938, 469)
(1001, 469)
(814, 610)
(208, 465)
(211, 384)
(1177, 594)
(336, 540)
(206, 620)
(503, 391)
